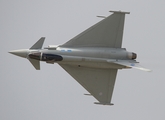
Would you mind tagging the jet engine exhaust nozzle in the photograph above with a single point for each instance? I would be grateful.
(132, 55)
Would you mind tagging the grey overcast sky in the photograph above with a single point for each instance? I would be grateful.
(51, 93)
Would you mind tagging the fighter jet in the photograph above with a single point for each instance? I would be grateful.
(92, 58)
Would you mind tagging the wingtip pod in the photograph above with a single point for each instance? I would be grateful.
(122, 12)
(100, 103)
(88, 94)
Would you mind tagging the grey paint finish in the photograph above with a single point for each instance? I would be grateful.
(110, 53)
(92, 58)
(38, 44)
(98, 82)
(106, 33)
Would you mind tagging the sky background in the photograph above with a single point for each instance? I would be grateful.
(51, 93)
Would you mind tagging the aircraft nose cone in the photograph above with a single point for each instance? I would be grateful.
(20, 53)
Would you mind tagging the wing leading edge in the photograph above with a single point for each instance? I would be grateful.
(106, 33)
(98, 82)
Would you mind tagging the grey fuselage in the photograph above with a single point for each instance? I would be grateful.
(95, 57)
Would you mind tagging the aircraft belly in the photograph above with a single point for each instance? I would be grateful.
(93, 64)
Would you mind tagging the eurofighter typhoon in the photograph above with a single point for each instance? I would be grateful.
(92, 58)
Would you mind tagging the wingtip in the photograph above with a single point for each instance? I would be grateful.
(100, 103)
(122, 12)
